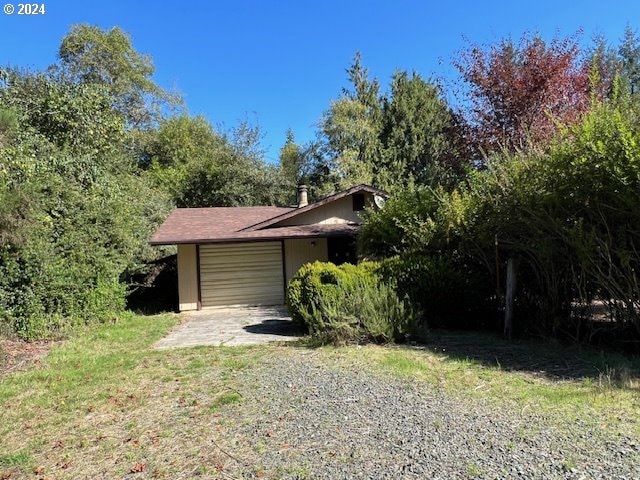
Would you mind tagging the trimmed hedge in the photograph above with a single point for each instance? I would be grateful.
(348, 303)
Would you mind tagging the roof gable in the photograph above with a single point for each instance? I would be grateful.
(312, 206)
(237, 224)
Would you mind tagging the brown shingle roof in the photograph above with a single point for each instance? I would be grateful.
(164, 237)
(246, 224)
(185, 225)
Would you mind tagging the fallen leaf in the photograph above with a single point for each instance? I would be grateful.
(138, 468)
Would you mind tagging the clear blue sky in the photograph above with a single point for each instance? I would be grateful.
(281, 62)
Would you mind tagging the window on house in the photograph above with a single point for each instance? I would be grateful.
(358, 202)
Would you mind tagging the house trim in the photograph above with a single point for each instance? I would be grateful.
(198, 276)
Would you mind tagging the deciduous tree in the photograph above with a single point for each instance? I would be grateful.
(90, 55)
(519, 91)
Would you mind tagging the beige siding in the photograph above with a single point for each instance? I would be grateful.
(340, 211)
(241, 274)
(299, 252)
(187, 277)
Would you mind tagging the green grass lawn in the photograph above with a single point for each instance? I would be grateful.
(105, 403)
(107, 399)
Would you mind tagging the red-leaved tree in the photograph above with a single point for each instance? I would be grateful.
(517, 92)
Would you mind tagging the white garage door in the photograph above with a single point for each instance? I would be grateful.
(241, 274)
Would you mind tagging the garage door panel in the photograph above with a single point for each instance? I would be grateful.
(241, 292)
(225, 251)
(239, 297)
(229, 263)
(238, 281)
(211, 267)
(249, 267)
(266, 256)
(241, 274)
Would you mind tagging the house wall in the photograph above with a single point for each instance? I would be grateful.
(340, 211)
(299, 252)
(187, 277)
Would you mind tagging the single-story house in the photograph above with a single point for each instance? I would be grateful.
(247, 255)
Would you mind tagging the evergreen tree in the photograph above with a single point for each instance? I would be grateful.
(629, 52)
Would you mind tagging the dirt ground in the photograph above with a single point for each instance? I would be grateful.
(17, 355)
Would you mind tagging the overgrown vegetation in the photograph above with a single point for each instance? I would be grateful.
(75, 211)
(347, 303)
(557, 193)
(537, 164)
(567, 215)
(93, 155)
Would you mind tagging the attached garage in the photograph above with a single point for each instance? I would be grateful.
(241, 274)
(245, 255)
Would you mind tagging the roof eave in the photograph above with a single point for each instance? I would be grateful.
(339, 233)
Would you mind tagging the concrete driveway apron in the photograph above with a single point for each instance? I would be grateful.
(232, 326)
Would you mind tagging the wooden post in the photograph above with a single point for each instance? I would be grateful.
(510, 293)
(497, 267)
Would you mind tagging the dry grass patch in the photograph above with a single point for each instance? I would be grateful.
(17, 355)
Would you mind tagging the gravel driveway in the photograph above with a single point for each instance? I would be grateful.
(302, 419)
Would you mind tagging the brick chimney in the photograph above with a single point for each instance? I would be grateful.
(302, 196)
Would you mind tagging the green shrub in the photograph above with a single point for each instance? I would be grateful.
(348, 303)
(69, 235)
(76, 209)
(446, 291)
